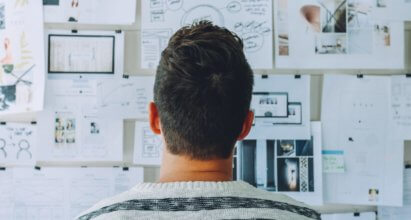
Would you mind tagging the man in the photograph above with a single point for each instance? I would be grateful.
(201, 105)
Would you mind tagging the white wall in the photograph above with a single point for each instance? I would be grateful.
(132, 66)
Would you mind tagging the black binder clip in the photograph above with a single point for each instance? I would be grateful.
(357, 214)
(297, 76)
(2, 168)
(125, 168)
(3, 123)
(125, 76)
(118, 31)
(83, 166)
(264, 76)
(408, 75)
(37, 168)
(74, 31)
(360, 76)
(33, 122)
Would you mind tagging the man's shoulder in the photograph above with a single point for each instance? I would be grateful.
(237, 200)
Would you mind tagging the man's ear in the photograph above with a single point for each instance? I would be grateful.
(154, 118)
(248, 123)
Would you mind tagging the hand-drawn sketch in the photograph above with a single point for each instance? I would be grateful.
(337, 34)
(22, 73)
(17, 143)
(250, 20)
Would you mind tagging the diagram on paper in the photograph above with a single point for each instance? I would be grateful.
(21, 57)
(148, 146)
(17, 143)
(128, 98)
(250, 20)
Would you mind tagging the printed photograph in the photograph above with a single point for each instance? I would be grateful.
(285, 148)
(331, 44)
(7, 96)
(382, 35)
(94, 128)
(282, 16)
(2, 16)
(358, 15)
(271, 186)
(64, 130)
(248, 160)
(333, 16)
(373, 195)
(304, 148)
(288, 175)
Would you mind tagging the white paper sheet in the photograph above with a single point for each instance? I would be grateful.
(18, 144)
(355, 115)
(125, 98)
(289, 166)
(269, 122)
(394, 213)
(401, 107)
(61, 193)
(93, 53)
(90, 11)
(251, 20)
(148, 147)
(350, 216)
(22, 71)
(71, 129)
(337, 34)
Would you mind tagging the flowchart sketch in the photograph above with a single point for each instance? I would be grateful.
(125, 98)
(18, 143)
(148, 147)
(22, 72)
(250, 20)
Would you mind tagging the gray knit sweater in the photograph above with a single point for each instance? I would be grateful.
(198, 200)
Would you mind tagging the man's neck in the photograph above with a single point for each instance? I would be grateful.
(177, 168)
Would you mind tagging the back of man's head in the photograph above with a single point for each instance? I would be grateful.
(203, 91)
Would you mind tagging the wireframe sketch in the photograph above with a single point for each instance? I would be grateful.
(270, 104)
(249, 20)
(17, 142)
(151, 143)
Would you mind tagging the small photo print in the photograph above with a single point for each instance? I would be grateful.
(2, 16)
(286, 148)
(304, 147)
(64, 130)
(333, 16)
(382, 35)
(7, 96)
(331, 44)
(312, 16)
(288, 175)
(283, 40)
(94, 128)
(373, 195)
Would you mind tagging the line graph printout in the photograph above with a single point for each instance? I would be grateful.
(60, 192)
(125, 98)
(251, 20)
(18, 143)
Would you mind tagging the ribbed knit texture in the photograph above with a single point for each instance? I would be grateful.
(199, 200)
